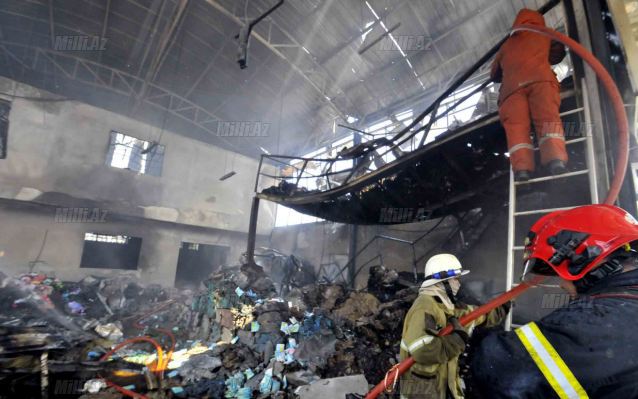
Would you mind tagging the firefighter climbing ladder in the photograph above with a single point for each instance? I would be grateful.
(514, 261)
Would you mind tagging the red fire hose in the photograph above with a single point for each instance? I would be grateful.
(622, 150)
(160, 364)
(622, 154)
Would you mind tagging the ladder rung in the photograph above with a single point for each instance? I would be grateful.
(573, 111)
(523, 213)
(545, 178)
(567, 94)
(578, 140)
(568, 142)
(518, 247)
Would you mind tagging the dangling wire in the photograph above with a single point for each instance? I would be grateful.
(153, 148)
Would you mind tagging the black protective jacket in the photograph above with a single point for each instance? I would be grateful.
(596, 336)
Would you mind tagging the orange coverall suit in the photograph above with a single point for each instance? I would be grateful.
(530, 92)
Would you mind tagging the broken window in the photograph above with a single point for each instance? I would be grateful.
(5, 107)
(104, 251)
(126, 152)
(196, 261)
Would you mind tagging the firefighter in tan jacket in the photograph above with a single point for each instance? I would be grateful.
(435, 375)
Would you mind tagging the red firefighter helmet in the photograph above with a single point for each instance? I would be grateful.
(571, 243)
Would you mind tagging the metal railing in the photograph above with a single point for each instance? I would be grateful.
(363, 158)
(365, 154)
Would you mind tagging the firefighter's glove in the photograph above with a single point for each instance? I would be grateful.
(459, 329)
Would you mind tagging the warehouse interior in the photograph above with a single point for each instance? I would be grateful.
(253, 187)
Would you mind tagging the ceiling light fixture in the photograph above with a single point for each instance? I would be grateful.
(228, 175)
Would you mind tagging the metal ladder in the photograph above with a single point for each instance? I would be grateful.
(513, 261)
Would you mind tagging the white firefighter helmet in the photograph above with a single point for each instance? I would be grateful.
(442, 267)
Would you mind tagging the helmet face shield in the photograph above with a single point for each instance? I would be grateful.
(537, 266)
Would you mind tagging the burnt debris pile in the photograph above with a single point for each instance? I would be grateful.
(239, 336)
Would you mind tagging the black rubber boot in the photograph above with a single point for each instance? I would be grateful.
(522, 175)
(557, 167)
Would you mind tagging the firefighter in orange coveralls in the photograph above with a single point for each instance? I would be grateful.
(530, 93)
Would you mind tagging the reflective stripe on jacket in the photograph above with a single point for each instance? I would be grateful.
(590, 344)
(436, 367)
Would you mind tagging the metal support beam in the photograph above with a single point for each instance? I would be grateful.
(166, 41)
(578, 28)
(352, 267)
(410, 57)
(105, 24)
(279, 54)
(358, 35)
(153, 30)
(86, 72)
(51, 24)
(252, 232)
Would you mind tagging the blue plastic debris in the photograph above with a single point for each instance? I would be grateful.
(233, 384)
(265, 385)
(249, 374)
(177, 390)
(244, 393)
(172, 374)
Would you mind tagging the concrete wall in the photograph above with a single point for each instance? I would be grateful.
(318, 243)
(57, 152)
(25, 230)
(56, 158)
(325, 243)
(399, 255)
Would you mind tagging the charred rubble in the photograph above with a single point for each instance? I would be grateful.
(240, 336)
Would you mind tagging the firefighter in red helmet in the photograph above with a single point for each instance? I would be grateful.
(587, 348)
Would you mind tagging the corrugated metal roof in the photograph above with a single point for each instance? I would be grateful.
(310, 70)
